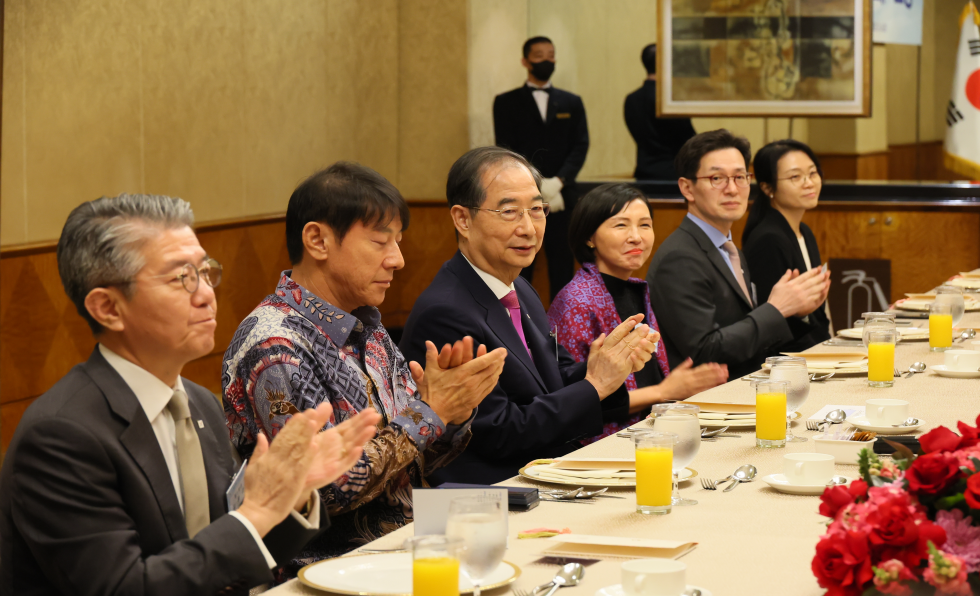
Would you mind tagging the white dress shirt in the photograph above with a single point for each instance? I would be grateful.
(499, 288)
(806, 255)
(540, 98)
(154, 395)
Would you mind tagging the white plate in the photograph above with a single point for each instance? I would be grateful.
(924, 305)
(778, 482)
(531, 473)
(386, 574)
(617, 590)
(907, 333)
(862, 423)
(942, 371)
(965, 282)
(737, 423)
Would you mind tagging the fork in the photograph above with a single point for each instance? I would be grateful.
(709, 484)
(814, 424)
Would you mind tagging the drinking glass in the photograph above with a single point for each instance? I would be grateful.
(954, 297)
(770, 413)
(876, 320)
(791, 369)
(435, 565)
(480, 525)
(681, 420)
(881, 357)
(654, 470)
(940, 326)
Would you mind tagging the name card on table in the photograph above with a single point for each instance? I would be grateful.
(586, 545)
(431, 505)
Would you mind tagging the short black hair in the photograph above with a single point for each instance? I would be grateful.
(340, 196)
(688, 160)
(593, 209)
(464, 186)
(529, 43)
(649, 58)
(765, 166)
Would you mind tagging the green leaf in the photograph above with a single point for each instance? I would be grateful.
(950, 502)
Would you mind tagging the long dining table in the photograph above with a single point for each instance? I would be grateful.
(750, 541)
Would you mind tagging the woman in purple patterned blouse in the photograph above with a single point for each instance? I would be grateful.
(611, 234)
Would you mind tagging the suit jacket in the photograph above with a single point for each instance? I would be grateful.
(88, 505)
(556, 147)
(771, 249)
(703, 314)
(538, 406)
(657, 139)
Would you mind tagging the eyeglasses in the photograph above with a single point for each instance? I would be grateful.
(513, 213)
(797, 179)
(721, 180)
(190, 276)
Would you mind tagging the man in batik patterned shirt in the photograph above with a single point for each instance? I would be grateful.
(319, 338)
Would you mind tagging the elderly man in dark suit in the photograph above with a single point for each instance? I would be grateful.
(699, 289)
(115, 481)
(543, 399)
(548, 127)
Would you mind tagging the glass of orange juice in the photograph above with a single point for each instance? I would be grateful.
(881, 357)
(654, 471)
(435, 565)
(940, 326)
(770, 413)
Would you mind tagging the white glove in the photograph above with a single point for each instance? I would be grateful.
(551, 193)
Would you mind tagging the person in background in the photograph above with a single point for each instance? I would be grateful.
(776, 239)
(657, 139)
(115, 480)
(318, 338)
(698, 286)
(548, 127)
(544, 400)
(611, 235)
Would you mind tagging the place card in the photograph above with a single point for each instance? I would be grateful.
(432, 505)
(587, 545)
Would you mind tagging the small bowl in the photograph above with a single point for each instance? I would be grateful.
(844, 452)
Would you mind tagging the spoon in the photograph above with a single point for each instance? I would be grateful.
(710, 433)
(744, 473)
(691, 592)
(566, 495)
(967, 334)
(569, 576)
(815, 378)
(915, 367)
(908, 422)
(836, 480)
(834, 417)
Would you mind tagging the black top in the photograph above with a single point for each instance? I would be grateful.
(770, 250)
(657, 139)
(630, 299)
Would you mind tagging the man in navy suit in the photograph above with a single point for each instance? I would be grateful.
(547, 126)
(543, 399)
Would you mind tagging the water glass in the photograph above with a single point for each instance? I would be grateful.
(682, 420)
(954, 297)
(791, 369)
(770, 413)
(480, 525)
(435, 565)
(881, 357)
(940, 326)
(654, 471)
(876, 320)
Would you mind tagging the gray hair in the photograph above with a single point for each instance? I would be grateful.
(101, 241)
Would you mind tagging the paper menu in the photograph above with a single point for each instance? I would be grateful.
(851, 411)
(586, 545)
(431, 505)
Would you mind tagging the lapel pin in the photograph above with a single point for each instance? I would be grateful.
(200, 424)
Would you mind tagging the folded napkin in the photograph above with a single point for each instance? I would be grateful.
(719, 416)
(614, 546)
(549, 473)
(722, 408)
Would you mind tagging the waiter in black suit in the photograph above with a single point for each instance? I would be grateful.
(543, 399)
(657, 139)
(699, 288)
(547, 126)
(115, 481)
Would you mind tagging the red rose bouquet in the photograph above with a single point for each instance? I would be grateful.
(910, 525)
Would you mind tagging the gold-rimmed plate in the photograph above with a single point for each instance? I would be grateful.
(531, 473)
(385, 574)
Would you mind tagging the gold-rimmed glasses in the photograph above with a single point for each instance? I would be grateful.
(515, 213)
(797, 179)
(721, 180)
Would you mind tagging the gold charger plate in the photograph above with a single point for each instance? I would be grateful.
(302, 576)
(618, 483)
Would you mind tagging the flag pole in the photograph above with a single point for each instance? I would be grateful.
(918, 93)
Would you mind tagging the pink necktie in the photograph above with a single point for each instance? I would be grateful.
(514, 306)
(737, 266)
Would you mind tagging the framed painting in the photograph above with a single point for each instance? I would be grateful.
(764, 58)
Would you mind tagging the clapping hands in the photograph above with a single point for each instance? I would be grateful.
(612, 358)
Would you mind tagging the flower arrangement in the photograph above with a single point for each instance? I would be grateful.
(909, 525)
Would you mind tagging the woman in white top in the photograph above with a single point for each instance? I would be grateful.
(775, 238)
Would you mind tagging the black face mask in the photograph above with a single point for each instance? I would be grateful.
(542, 70)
